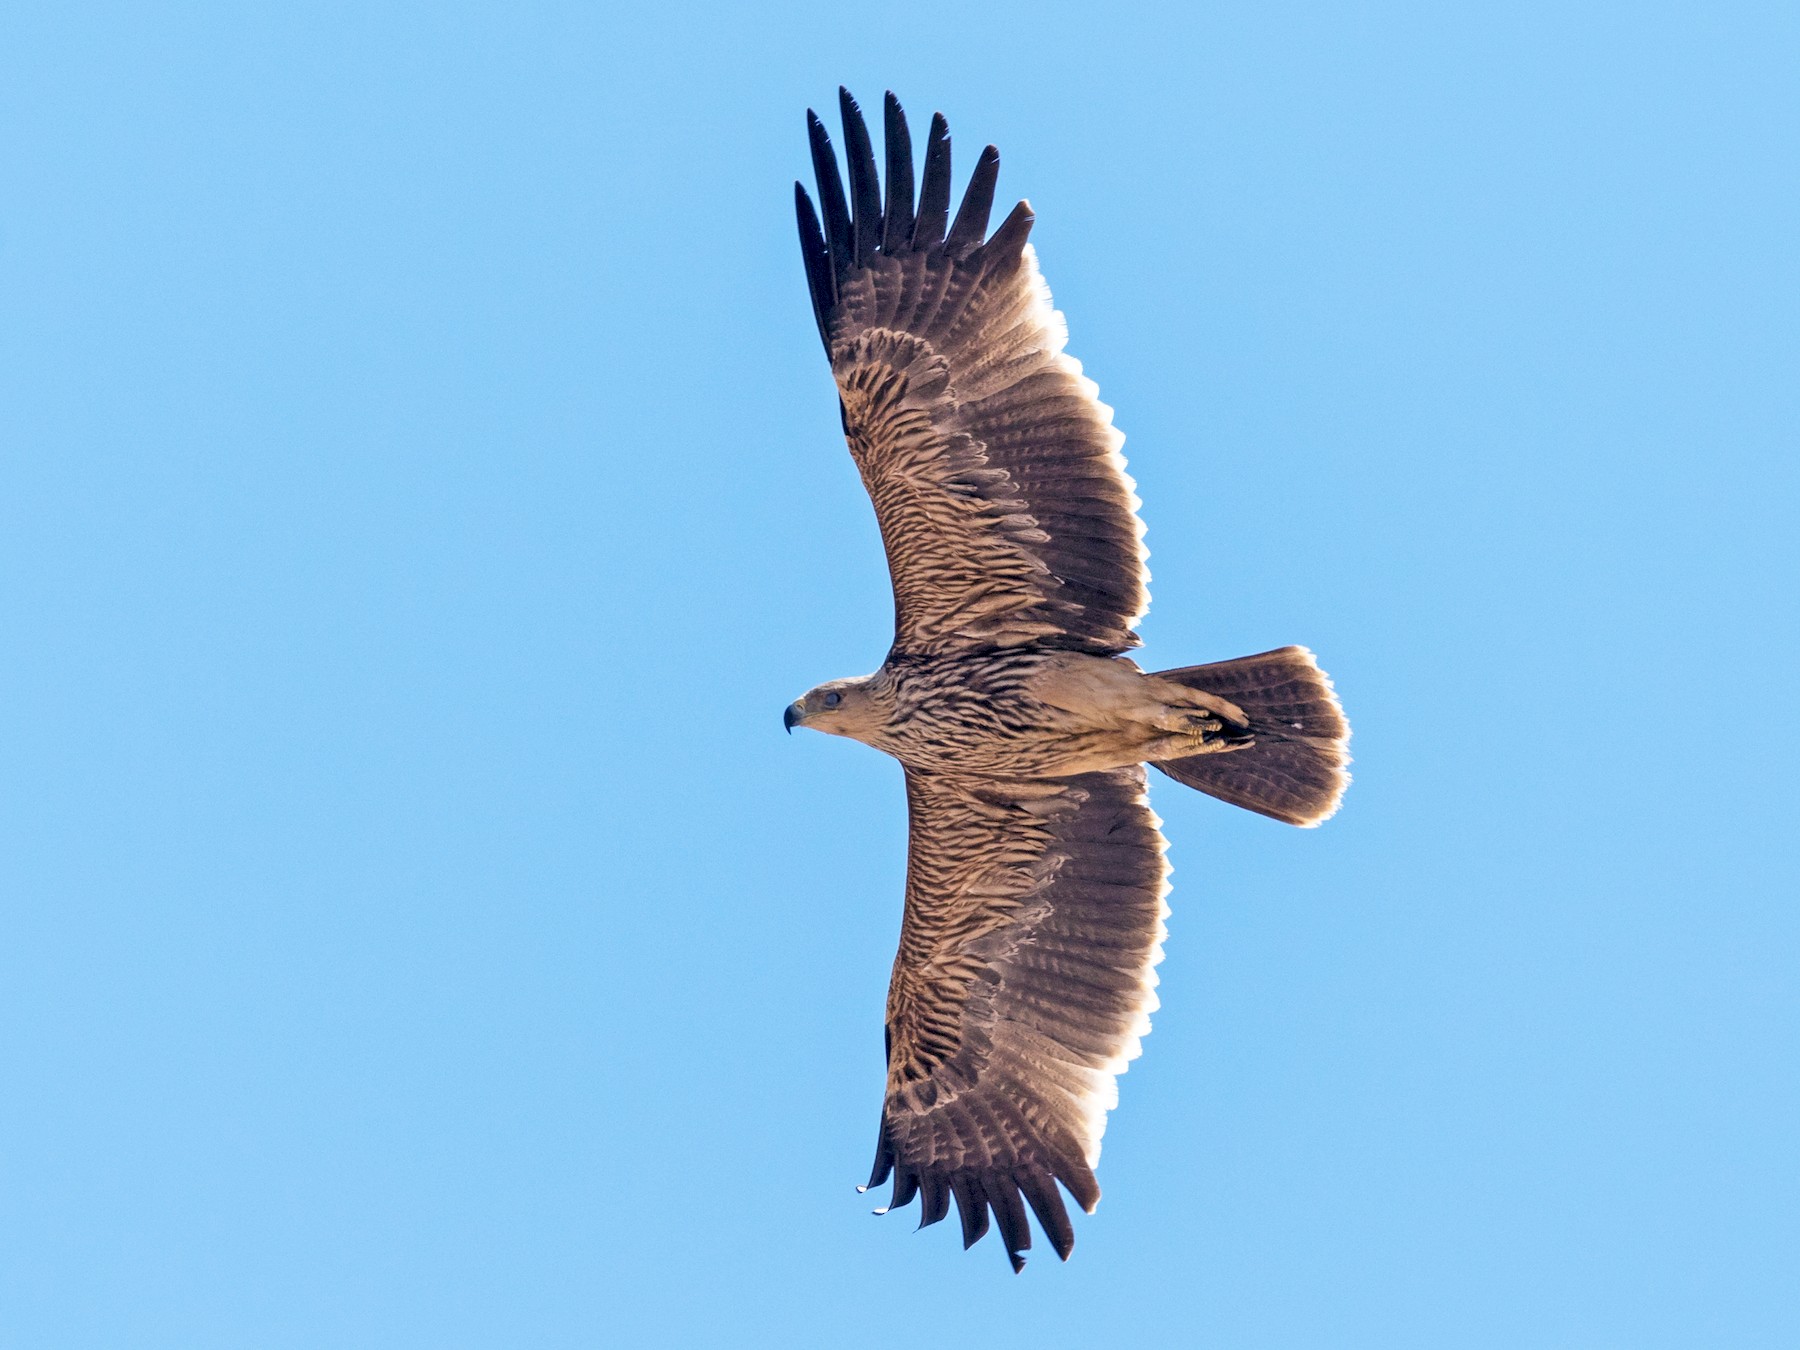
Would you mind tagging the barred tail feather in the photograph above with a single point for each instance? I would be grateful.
(1295, 770)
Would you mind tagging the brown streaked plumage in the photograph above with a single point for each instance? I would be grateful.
(1035, 875)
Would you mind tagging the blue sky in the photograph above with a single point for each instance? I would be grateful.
(422, 491)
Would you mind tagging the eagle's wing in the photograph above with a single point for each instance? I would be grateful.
(1034, 914)
(994, 468)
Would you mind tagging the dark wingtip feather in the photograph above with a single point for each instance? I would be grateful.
(1009, 1211)
(934, 189)
(831, 193)
(884, 1160)
(1008, 241)
(1078, 1179)
(906, 1186)
(897, 219)
(934, 1202)
(1052, 1216)
(865, 187)
(971, 1207)
(820, 284)
(972, 217)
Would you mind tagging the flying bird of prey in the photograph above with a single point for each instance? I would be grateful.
(1035, 876)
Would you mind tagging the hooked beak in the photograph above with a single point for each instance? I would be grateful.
(791, 716)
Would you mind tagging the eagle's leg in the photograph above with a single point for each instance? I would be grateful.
(1207, 732)
(1194, 721)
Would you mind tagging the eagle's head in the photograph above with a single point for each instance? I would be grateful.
(852, 708)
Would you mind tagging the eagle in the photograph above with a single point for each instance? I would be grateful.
(1035, 879)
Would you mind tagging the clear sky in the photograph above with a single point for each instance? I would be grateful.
(422, 490)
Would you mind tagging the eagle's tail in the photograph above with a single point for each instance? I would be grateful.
(1294, 769)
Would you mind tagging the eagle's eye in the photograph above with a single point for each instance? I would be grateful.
(832, 699)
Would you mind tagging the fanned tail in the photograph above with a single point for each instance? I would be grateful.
(1295, 770)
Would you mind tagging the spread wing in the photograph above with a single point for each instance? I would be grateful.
(1034, 914)
(995, 470)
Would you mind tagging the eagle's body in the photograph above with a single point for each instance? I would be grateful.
(1027, 712)
(1035, 873)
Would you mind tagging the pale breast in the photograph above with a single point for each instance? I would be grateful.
(982, 714)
